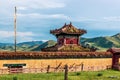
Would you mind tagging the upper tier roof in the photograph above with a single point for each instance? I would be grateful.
(68, 29)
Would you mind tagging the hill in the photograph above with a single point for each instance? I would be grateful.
(6, 44)
(24, 46)
(44, 45)
(102, 43)
(31, 43)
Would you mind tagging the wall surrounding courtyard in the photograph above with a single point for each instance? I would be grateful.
(32, 65)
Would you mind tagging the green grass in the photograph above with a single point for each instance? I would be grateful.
(88, 75)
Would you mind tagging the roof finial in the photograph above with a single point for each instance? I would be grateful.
(70, 23)
(65, 24)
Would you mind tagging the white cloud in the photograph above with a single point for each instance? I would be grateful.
(24, 39)
(79, 19)
(102, 19)
(103, 27)
(7, 34)
(101, 23)
(112, 18)
(22, 8)
(38, 4)
(45, 16)
(44, 40)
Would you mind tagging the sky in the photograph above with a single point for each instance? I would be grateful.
(35, 18)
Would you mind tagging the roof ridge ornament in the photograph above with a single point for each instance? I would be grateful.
(65, 24)
(70, 23)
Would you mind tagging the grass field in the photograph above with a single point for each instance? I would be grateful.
(90, 75)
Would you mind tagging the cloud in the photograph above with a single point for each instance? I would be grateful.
(101, 19)
(79, 19)
(22, 8)
(44, 40)
(39, 4)
(103, 25)
(99, 23)
(44, 16)
(112, 18)
(7, 34)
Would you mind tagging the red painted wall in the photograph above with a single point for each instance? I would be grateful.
(68, 40)
(71, 41)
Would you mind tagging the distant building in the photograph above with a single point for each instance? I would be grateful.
(68, 39)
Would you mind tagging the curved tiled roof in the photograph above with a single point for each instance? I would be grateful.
(68, 29)
(67, 48)
(114, 50)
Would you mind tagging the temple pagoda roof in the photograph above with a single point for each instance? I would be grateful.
(68, 29)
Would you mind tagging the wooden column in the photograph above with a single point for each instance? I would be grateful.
(64, 40)
(115, 61)
(78, 40)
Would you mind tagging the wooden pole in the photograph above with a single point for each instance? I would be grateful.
(82, 66)
(66, 72)
(48, 69)
(15, 21)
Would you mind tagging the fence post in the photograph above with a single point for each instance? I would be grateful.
(82, 65)
(66, 72)
(48, 68)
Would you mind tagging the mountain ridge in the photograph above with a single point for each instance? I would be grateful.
(102, 43)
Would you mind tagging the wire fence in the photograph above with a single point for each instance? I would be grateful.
(71, 68)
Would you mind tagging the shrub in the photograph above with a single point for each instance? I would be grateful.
(99, 74)
(15, 78)
(78, 73)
